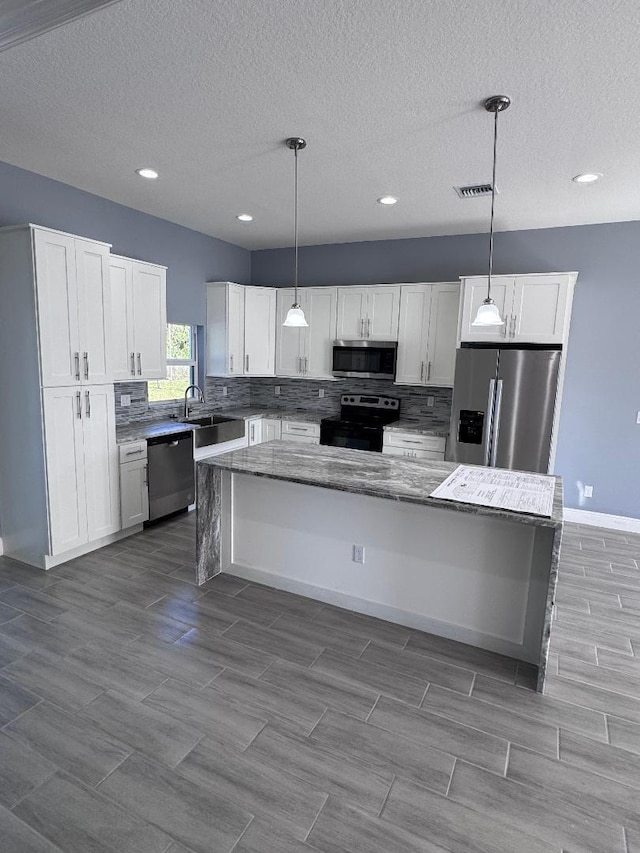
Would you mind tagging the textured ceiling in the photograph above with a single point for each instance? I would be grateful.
(386, 93)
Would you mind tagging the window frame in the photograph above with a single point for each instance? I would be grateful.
(192, 363)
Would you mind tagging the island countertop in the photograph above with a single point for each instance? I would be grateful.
(366, 473)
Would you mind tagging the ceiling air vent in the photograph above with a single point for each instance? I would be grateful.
(474, 190)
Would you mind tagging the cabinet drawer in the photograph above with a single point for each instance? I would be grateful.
(303, 439)
(413, 441)
(132, 451)
(291, 428)
(434, 455)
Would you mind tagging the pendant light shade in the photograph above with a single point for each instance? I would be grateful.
(488, 314)
(295, 316)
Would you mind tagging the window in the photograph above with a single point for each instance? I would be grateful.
(182, 365)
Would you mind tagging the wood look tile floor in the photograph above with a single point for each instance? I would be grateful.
(140, 713)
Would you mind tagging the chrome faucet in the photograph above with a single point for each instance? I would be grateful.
(200, 398)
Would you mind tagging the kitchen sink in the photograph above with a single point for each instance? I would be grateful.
(215, 429)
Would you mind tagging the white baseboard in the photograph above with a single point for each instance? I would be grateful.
(602, 519)
(381, 611)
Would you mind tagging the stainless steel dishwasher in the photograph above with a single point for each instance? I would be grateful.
(170, 473)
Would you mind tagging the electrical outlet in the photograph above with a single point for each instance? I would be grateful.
(276, 390)
(125, 399)
(224, 390)
(320, 392)
(358, 554)
(430, 402)
(588, 491)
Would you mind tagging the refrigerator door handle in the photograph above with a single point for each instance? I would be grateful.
(487, 440)
(496, 424)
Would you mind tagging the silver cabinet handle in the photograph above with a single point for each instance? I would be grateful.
(85, 357)
(87, 401)
(362, 327)
(78, 405)
(139, 365)
(133, 364)
(134, 452)
(145, 482)
(368, 327)
(496, 424)
(76, 357)
(421, 370)
(299, 364)
(298, 429)
(515, 323)
(246, 361)
(428, 371)
(253, 432)
(231, 363)
(411, 441)
(306, 364)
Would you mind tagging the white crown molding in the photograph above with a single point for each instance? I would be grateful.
(602, 519)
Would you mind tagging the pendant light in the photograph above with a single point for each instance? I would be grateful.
(488, 314)
(295, 315)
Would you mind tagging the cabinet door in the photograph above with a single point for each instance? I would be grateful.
(100, 461)
(235, 329)
(415, 308)
(254, 428)
(57, 298)
(382, 313)
(149, 321)
(352, 313)
(123, 357)
(271, 429)
(539, 309)
(288, 339)
(94, 311)
(474, 292)
(63, 409)
(320, 306)
(134, 493)
(441, 341)
(259, 331)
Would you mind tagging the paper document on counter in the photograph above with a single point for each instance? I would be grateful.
(517, 491)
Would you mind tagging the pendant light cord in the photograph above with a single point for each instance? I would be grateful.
(493, 199)
(295, 222)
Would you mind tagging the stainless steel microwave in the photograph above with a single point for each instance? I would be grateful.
(367, 359)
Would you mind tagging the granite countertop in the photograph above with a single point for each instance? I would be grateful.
(306, 415)
(417, 427)
(362, 472)
(149, 429)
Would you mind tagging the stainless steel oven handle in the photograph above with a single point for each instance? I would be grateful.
(496, 424)
(489, 417)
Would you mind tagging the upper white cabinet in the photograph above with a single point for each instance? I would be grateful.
(240, 330)
(259, 331)
(427, 334)
(535, 308)
(306, 352)
(138, 319)
(368, 312)
(74, 314)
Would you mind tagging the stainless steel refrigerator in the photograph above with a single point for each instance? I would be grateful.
(503, 407)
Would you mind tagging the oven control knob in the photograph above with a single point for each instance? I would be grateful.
(386, 402)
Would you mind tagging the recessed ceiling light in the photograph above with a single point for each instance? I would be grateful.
(151, 174)
(245, 217)
(387, 199)
(587, 178)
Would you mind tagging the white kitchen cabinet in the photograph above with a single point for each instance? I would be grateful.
(427, 334)
(139, 319)
(259, 331)
(74, 315)
(306, 352)
(271, 429)
(81, 465)
(254, 430)
(240, 330)
(413, 445)
(134, 490)
(303, 432)
(368, 312)
(535, 308)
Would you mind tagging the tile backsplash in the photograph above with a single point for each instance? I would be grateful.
(294, 394)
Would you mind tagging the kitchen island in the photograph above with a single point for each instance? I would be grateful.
(289, 516)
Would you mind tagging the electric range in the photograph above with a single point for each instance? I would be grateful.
(361, 422)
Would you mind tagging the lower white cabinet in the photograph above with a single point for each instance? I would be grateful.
(301, 431)
(81, 465)
(134, 491)
(254, 430)
(271, 429)
(413, 445)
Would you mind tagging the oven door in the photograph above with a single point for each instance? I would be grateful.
(367, 359)
(354, 436)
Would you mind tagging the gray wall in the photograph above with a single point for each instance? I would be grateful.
(192, 258)
(599, 441)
